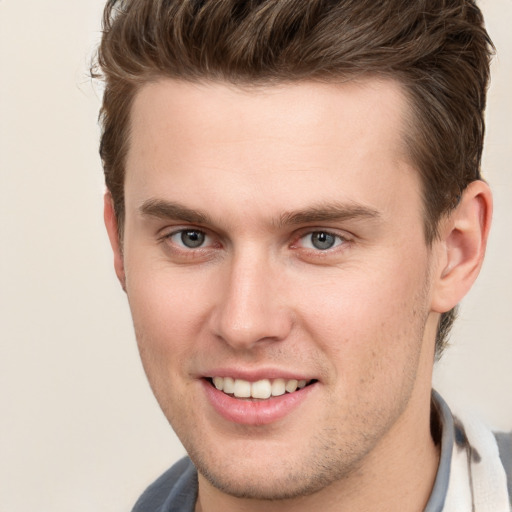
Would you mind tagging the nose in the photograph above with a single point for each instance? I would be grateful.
(251, 307)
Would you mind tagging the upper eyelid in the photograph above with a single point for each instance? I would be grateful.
(345, 235)
(327, 231)
(169, 232)
(334, 234)
(172, 230)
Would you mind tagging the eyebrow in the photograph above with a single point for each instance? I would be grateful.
(331, 212)
(173, 211)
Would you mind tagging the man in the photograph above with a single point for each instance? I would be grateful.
(295, 207)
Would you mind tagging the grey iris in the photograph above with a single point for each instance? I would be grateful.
(192, 238)
(322, 240)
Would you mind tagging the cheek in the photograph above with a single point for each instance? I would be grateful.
(371, 318)
(165, 331)
(362, 299)
(166, 313)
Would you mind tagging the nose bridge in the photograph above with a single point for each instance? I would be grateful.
(250, 307)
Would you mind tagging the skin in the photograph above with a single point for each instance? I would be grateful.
(265, 168)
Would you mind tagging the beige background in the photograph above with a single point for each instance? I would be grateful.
(79, 428)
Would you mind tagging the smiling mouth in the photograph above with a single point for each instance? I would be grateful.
(261, 389)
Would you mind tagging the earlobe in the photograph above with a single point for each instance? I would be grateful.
(463, 239)
(111, 224)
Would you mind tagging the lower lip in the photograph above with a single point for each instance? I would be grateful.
(255, 412)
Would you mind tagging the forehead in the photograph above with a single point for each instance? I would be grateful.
(276, 145)
(225, 112)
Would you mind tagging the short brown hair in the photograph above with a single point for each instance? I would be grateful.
(437, 49)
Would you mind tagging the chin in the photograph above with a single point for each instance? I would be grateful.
(265, 487)
(274, 478)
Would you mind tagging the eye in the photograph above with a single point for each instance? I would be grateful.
(321, 240)
(190, 238)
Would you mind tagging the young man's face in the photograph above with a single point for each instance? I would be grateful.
(275, 235)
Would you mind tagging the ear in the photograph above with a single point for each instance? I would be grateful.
(113, 234)
(463, 239)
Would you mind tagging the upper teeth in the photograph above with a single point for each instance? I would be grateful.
(264, 388)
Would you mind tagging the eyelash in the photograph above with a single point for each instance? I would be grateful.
(339, 242)
(181, 232)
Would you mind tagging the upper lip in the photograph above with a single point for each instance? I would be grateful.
(254, 375)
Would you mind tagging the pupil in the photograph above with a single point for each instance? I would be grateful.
(192, 239)
(322, 240)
